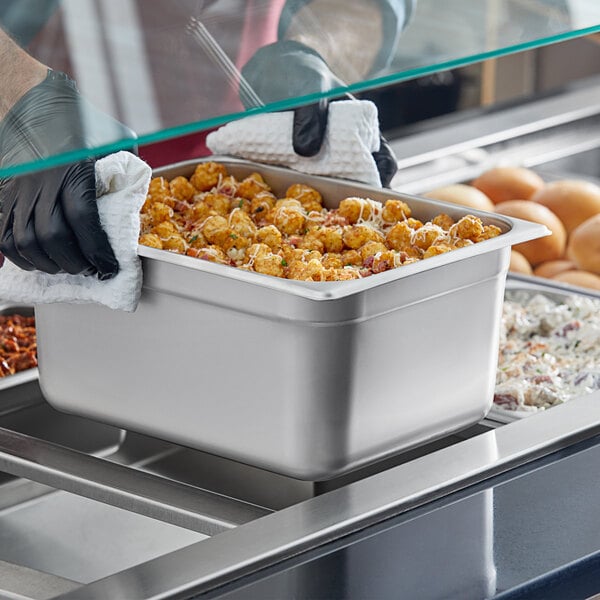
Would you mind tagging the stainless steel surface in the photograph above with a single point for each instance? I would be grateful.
(309, 380)
(21, 583)
(286, 533)
(118, 485)
(559, 131)
(81, 540)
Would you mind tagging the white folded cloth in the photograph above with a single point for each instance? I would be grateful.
(121, 184)
(351, 137)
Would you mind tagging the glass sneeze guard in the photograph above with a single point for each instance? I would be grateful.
(142, 62)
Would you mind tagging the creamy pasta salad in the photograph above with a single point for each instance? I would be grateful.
(549, 350)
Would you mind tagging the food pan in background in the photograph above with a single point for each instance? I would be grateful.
(549, 347)
(16, 389)
(306, 379)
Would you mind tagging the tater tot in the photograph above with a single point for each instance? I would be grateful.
(174, 242)
(262, 203)
(355, 236)
(332, 261)
(332, 238)
(310, 198)
(358, 209)
(459, 243)
(217, 202)
(215, 229)
(346, 274)
(372, 248)
(198, 212)
(269, 235)
(444, 221)
(207, 175)
(160, 212)
(351, 258)
(165, 229)
(489, 232)
(312, 241)
(414, 223)
(196, 239)
(427, 235)
(158, 189)
(270, 264)
(312, 270)
(209, 253)
(395, 210)
(291, 254)
(251, 186)
(235, 241)
(467, 228)
(151, 240)
(399, 236)
(241, 223)
(436, 250)
(257, 250)
(181, 188)
(288, 217)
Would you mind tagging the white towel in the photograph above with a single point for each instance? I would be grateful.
(351, 137)
(121, 183)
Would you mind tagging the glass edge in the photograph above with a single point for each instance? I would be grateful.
(211, 123)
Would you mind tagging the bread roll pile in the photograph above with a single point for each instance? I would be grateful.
(569, 208)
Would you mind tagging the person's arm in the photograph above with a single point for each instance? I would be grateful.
(49, 219)
(19, 72)
(355, 38)
(294, 66)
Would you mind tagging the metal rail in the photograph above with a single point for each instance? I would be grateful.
(121, 486)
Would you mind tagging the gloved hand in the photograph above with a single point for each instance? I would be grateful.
(287, 69)
(49, 219)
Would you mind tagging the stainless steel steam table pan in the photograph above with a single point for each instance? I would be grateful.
(535, 285)
(306, 379)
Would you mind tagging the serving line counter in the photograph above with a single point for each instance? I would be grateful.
(90, 511)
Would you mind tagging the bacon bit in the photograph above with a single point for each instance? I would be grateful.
(181, 206)
(368, 262)
(294, 240)
(334, 218)
(17, 344)
(381, 266)
(572, 326)
(541, 379)
(505, 400)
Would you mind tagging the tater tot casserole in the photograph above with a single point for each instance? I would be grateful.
(215, 217)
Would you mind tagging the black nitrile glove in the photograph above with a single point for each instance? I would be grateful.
(287, 69)
(49, 219)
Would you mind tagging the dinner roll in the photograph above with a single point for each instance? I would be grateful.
(519, 264)
(537, 251)
(508, 183)
(580, 278)
(584, 245)
(554, 267)
(465, 195)
(571, 201)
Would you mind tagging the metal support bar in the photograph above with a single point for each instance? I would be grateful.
(122, 486)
